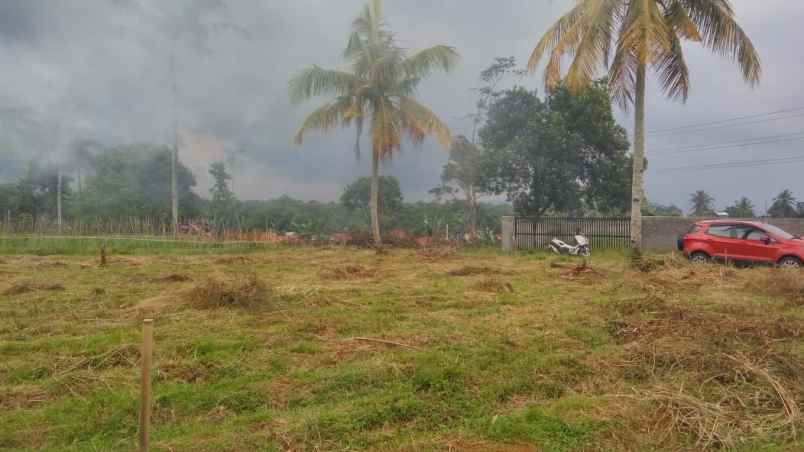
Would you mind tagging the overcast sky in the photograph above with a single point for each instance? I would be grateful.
(100, 69)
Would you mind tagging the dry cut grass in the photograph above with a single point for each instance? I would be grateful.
(436, 349)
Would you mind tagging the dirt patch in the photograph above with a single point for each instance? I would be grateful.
(25, 397)
(157, 304)
(469, 270)
(174, 370)
(53, 264)
(247, 291)
(28, 286)
(582, 270)
(170, 278)
(347, 272)
(494, 285)
(235, 260)
(438, 253)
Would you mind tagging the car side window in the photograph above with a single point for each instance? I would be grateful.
(722, 230)
(741, 231)
(756, 235)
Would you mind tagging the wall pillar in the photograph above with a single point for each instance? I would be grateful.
(508, 240)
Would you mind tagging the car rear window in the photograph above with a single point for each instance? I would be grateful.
(722, 230)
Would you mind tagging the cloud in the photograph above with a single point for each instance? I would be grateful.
(101, 69)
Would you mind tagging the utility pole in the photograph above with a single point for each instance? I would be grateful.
(58, 199)
(174, 159)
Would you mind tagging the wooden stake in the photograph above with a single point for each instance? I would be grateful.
(145, 383)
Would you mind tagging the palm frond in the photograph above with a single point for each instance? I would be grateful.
(673, 73)
(555, 34)
(354, 46)
(644, 31)
(593, 49)
(420, 122)
(622, 78)
(677, 17)
(316, 81)
(328, 116)
(424, 62)
(721, 33)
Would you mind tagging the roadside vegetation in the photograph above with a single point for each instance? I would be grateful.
(434, 349)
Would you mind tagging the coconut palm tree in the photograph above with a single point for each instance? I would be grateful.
(743, 208)
(702, 204)
(378, 91)
(628, 36)
(784, 205)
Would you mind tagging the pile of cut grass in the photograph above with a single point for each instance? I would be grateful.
(242, 291)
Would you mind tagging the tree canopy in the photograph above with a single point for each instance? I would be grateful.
(357, 198)
(565, 155)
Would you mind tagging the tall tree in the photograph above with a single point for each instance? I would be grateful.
(129, 181)
(641, 33)
(223, 205)
(702, 204)
(357, 197)
(784, 205)
(463, 171)
(743, 208)
(563, 155)
(379, 90)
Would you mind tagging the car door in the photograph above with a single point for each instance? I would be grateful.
(742, 248)
(724, 240)
(760, 247)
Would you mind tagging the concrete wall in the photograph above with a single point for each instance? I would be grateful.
(659, 234)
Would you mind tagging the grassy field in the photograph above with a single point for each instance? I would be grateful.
(347, 349)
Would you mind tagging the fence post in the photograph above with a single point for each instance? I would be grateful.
(145, 382)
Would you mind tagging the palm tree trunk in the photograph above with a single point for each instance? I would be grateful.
(375, 198)
(639, 160)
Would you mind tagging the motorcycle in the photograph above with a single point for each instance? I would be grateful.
(581, 249)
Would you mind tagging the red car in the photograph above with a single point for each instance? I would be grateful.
(742, 241)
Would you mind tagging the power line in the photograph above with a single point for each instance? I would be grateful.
(734, 144)
(740, 164)
(726, 126)
(724, 121)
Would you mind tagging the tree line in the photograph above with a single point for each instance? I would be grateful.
(784, 205)
(133, 181)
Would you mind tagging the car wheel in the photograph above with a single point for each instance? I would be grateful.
(699, 257)
(790, 262)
